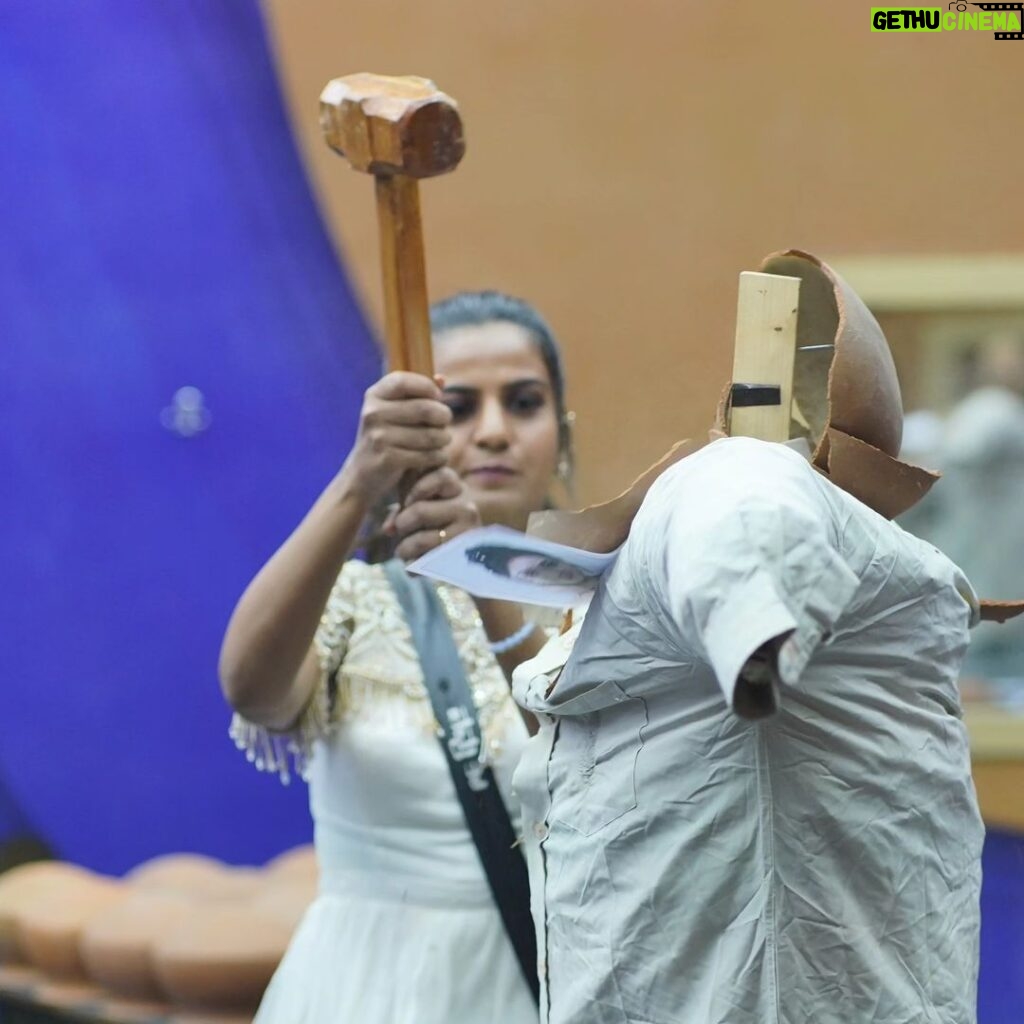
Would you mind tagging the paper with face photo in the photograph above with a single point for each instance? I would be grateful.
(496, 562)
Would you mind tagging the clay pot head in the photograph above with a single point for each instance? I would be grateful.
(846, 398)
(846, 404)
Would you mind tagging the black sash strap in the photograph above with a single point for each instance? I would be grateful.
(485, 811)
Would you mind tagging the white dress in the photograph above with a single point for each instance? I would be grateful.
(404, 929)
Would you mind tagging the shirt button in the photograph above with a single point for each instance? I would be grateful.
(540, 830)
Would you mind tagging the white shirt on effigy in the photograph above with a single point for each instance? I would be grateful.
(818, 863)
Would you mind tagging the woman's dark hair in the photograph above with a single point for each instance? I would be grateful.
(493, 557)
(470, 309)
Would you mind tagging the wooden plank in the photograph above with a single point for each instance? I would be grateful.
(764, 352)
(997, 759)
(999, 785)
(996, 733)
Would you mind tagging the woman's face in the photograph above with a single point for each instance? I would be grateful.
(504, 422)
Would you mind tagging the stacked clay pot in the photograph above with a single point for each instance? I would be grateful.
(183, 928)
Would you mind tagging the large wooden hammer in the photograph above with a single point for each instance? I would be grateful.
(398, 130)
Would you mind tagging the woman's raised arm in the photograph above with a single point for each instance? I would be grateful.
(268, 668)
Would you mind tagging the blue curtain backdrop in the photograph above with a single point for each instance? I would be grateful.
(157, 233)
(1001, 984)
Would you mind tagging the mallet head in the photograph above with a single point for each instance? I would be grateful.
(384, 125)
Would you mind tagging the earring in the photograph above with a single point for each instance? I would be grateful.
(564, 470)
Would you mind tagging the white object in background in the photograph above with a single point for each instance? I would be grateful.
(187, 414)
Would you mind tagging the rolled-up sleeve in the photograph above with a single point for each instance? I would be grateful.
(739, 548)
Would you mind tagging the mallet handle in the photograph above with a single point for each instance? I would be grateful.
(406, 311)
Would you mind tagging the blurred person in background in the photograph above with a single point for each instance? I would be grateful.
(975, 516)
(318, 657)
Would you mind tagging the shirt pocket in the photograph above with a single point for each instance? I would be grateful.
(593, 764)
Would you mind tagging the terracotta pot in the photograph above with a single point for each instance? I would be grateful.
(116, 945)
(192, 874)
(223, 956)
(51, 920)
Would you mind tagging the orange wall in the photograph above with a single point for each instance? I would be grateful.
(626, 161)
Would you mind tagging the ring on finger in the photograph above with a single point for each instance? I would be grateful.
(442, 535)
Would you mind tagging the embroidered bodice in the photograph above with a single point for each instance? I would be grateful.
(370, 672)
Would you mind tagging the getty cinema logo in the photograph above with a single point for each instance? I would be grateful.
(1004, 20)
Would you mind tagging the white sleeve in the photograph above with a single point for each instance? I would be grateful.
(282, 752)
(738, 545)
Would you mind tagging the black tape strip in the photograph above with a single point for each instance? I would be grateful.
(744, 396)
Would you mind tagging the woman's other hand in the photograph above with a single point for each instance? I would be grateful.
(436, 509)
(403, 429)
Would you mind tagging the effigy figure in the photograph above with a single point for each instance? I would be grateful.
(750, 795)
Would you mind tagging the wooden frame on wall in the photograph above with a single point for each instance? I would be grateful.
(989, 283)
(936, 311)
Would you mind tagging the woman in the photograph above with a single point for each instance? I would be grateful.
(318, 662)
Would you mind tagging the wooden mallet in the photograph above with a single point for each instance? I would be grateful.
(398, 130)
